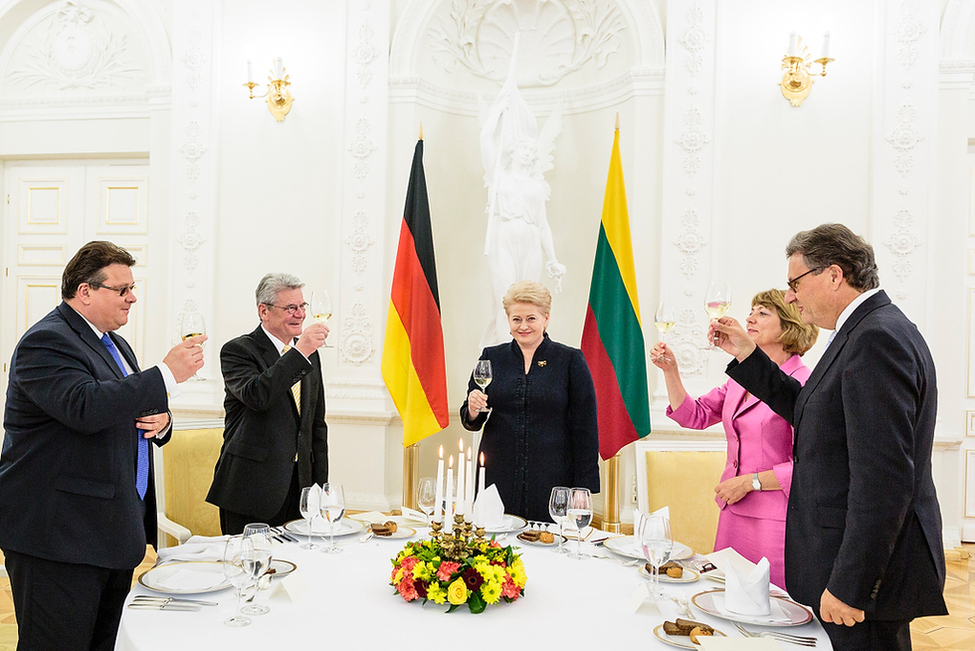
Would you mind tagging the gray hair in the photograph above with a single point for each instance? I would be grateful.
(272, 284)
(830, 244)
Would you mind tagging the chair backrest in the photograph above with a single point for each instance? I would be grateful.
(684, 480)
(188, 462)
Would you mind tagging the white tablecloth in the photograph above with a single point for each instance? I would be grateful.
(568, 604)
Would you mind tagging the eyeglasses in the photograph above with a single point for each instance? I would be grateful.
(794, 282)
(290, 309)
(121, 291)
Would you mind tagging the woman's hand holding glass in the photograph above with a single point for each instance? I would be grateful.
(662, 356)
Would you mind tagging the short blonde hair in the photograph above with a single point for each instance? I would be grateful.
(528, 291)
(797, 337)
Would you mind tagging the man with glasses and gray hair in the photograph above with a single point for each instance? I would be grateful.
(275, 438)
(863, 531)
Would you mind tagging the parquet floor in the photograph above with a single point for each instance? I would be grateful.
(953, 632)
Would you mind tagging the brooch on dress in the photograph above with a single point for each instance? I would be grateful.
(542, 363)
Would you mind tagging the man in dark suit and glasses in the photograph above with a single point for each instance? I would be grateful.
(76, 493)
(863, 530)
(275, 438)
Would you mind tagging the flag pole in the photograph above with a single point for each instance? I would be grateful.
(611, 507)
(411, 465)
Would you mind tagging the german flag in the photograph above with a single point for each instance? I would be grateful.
(612, 337)
(413, 353)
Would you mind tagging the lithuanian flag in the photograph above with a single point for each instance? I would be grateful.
(413, 358)
(612, 338)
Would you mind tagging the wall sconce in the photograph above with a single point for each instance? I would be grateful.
(278, 96)
(797, 80)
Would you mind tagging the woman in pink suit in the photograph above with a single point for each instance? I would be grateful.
(753, 493)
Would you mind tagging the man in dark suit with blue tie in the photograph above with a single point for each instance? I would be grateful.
(275, 441)
(76, 500)
(863, 530)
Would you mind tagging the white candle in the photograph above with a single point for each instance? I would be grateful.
(480, 483)
(825, 53)
(250, 71)
(449, 515)
(469, 494)
(793, 44)
(278, 68)
(461, 489)
(438, 504)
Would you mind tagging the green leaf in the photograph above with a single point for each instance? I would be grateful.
(476, 603)
(452, 608)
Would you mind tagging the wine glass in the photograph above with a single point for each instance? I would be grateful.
(558, 508)
(309, 506)
(664, 320)
(333, 508)
(716, 302)
(483, 376)
(192, 324)
(259, 534)
(426, 495)
(321, 309)
(234, 552)
(653, 534)
(580, 515)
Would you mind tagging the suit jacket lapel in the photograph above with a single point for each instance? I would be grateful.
(87, 335)
(835, 348)
(270, 355)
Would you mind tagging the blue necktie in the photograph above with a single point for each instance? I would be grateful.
(142, 463)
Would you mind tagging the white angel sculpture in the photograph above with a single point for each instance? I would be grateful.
(516, 156)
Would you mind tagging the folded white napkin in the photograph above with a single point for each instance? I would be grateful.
(193, 578)
(747, 592)
(489, 509)
(197, 548)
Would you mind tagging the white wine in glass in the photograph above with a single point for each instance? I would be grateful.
(321, 308)
(664, 319)
(717, 301)
(192, 325)
(483, 377)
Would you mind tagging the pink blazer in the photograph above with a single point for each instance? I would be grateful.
(758, 439)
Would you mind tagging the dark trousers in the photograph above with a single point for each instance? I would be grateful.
(233, 523)
(876, 635)
(65, 606)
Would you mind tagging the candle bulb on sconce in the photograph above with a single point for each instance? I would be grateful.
(278, 96)
(798, 77)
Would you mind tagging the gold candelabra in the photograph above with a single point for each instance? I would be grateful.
(459, 543)
(798, 77)
(278, 96)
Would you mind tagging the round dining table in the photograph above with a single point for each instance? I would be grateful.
(346, 599)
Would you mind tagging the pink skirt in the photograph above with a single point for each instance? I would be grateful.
(754, 538)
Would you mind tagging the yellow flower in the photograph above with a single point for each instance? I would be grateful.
(457, 592)
(436, 594)
(491, 591)
(422, 571)
(398, 577)
(517, 571)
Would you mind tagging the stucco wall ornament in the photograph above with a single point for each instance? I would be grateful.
(74, 49)
(357, 346)
(902, 243)
(904, 138)
(694, 39)
(558, 37)
(907, 31)
(362, 147)
(359, 241)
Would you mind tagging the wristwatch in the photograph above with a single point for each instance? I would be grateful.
(756, 484)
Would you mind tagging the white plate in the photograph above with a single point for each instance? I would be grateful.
(319, 527)
(281, 568)
(186, 577)
(509, 524)
(688, 576)
(681, 641)
(401, 532)
(627, 546)
(539, 543)
(792, 614)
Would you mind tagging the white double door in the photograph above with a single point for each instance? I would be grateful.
(52, 208)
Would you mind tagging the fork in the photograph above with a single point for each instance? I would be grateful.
(776, 635)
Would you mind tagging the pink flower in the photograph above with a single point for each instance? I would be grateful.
(446, 569)
(407, 564)
(407, 589)
(509, 589)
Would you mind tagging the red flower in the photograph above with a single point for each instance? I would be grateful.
(446, 570)
(421, 589)
(408, 589)
(407, 564)
(473, 579)
(509, 589)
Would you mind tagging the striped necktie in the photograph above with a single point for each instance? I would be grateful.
(142, 454)
(296, 387)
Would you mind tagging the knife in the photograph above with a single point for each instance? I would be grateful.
(164, 605)
(146, 597)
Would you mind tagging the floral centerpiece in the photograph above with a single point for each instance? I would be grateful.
(488, 574)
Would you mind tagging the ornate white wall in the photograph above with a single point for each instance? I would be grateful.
(720, 169)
